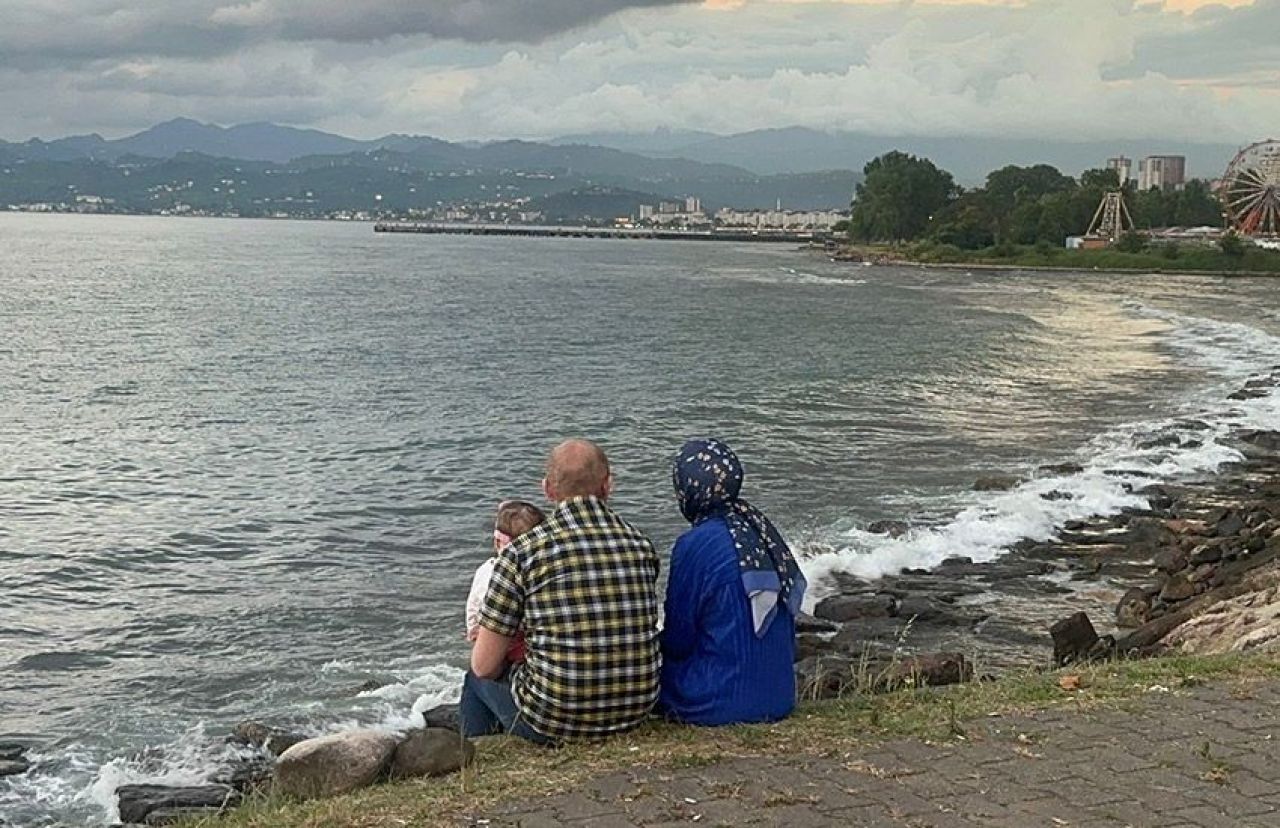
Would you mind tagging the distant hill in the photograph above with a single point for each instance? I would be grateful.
(969, 159)
(248, 142)
(523, 166)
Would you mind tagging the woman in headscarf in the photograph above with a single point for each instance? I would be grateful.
(728, 643)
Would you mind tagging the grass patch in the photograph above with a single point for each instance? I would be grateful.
(1197, 258)
(508, 769)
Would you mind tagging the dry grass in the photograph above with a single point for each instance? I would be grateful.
(508, 770)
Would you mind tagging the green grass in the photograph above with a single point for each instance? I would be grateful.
(507, 769)
(1196, 258)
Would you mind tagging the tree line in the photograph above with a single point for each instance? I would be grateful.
(903, 198)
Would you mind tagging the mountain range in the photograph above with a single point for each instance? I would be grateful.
(969, 159)
(761, 152)
(266, 169)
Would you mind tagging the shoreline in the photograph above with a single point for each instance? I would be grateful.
(872, 257)
(1195, 568)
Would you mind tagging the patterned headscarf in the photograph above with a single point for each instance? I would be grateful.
(707, 477)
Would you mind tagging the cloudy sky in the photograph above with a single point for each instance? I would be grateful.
(1185, 69)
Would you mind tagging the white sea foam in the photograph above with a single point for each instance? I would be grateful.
(988, 524)
(190, 759)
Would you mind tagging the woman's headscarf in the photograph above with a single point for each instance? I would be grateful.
(707, 477)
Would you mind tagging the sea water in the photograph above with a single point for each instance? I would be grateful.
(247, 467)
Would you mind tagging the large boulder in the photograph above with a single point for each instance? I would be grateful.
(334, 765)
(137, 803)
(1248, 622)
(433, 751)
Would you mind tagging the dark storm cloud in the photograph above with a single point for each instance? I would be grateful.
(472, 20)
(1216, 43)
(66, 32)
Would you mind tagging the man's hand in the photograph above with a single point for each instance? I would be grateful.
(489, 655)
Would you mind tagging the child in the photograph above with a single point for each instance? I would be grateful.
(515, 517)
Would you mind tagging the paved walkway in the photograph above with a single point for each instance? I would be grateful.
(1209, 757)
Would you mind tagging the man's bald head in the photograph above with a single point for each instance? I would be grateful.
(577, 468)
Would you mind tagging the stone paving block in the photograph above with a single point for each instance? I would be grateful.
(1046, 811)
(1111, 768)
(1247, 784)
(1231, 802)
(579, 806)
(1132, 813)
(1124, 761)
(608, 821)
(724, 812)
(978, 809)
(1207, 817)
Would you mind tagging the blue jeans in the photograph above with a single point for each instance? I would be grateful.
(488, 708)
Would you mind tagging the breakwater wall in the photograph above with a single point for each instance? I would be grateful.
(550, 231)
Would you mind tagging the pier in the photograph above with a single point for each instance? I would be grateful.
(551, 231)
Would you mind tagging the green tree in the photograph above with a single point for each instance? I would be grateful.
(964, 223)
(1231, 245)
(1131, 243)
(898, 198)
(1196, 206)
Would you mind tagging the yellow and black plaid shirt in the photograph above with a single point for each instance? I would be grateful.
(583, 587)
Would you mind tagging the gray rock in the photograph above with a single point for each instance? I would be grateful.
(996, 483)
(1134, 608)
(1178, 588)
(826, 677)
(806, 623)
(1162, 441)
(1269, 440)
(1063, 469)
(13, 767)
(138, 802)
(446, 716)
(841, 608)
(1171, 559)
(172, 816)
(1205, 554)
(1231, 524)
(272, 739)
(892, 528)
(334, 765)
(1073, 639)
(12, 750)
(431, 752)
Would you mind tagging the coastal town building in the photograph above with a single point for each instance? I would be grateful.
(780, 219)
(1162, 172)
(1123, 167)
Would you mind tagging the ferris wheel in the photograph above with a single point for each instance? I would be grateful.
(1251, 190)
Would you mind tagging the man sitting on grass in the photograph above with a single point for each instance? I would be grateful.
(583, 588)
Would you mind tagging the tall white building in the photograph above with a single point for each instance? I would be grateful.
(1162, 172)
(1123, 167)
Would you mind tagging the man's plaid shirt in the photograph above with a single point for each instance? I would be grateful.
(583, 587)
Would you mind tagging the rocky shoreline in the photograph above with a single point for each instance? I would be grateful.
(1195, 569)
